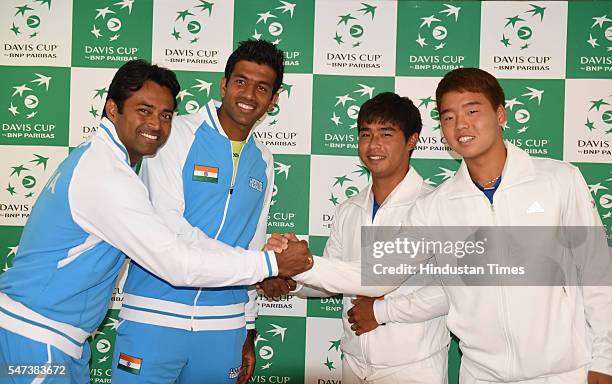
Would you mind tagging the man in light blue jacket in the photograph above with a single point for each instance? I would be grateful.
(215, 176)
(59, 286)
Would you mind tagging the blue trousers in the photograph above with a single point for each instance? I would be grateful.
(168, 355)
(16, 349)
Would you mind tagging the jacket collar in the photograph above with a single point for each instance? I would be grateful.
(212, 119)
(518, 169)
(210, 116)
(406, 192)
(107, 130)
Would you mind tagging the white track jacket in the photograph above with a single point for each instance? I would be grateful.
(394, 344)
(510, 333)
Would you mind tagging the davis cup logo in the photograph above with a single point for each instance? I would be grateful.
(290, 177)
(434, 37)
(351, 30)
(279, 168)
(347, 106)
(191, 98)
(334, 128)
(427, 106)
(588, 121)
(25, 99)
(107, 33)
(29, 17)
(108, 21)
(599, 116)
(344, 186)
(266, 352)
(600, 34)
(433, 31)
(518, 110)
(520, 28)
(334, 351)
(271, 24)
(188, 24)
(102, 345)
(22, 178)
(589, 40)
(603, 198)
(95, 108)
(100, 340)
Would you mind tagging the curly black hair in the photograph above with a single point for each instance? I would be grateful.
(260, 52)
(131, 76)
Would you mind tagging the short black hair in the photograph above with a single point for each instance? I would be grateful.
(260, 52)
(131, 76)
(389, 107)
(471, 80)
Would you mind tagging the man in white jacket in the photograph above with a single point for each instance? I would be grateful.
(509, 334)
(389, 127)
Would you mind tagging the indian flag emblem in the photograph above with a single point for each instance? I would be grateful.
(203, 173)
(129, 364)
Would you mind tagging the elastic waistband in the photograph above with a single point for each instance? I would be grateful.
(17, 318)
(175, 315)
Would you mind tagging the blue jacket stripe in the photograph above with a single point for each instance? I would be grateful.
(3, 310)
(212, 121)
(184, 316)
(116, 143)
(268, 264)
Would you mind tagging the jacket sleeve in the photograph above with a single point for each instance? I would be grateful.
(315, 284)
(306, 291)
(109, 201)
(162, 175)
(332, 274)
(259, 238)
(580, 211)
(424, 304)
(251, 308)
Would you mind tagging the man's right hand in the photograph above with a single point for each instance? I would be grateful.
(295, 259)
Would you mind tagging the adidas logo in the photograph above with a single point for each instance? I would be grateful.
(535, 207)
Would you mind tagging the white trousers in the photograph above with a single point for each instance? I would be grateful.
(577, 376)
(429, 371)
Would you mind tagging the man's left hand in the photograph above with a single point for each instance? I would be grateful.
(248, 358)
(361, 316)
(599, 378)
(275, 287)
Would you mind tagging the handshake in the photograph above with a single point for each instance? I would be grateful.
(292, 257)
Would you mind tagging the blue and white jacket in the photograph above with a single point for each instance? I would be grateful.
(93, 207)
(236, 215)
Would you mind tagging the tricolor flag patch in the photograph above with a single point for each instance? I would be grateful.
(129, 364)
(204, 173)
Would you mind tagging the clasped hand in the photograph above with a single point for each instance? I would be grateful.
(275, 287)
